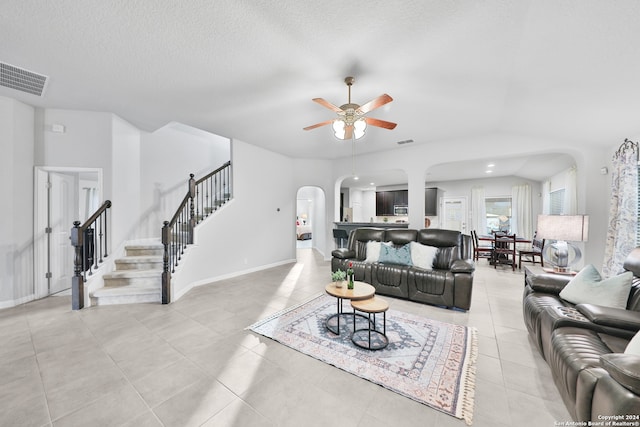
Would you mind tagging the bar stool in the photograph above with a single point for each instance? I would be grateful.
(341, 236)
(362, 337)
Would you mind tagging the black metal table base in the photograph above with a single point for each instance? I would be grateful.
(336, 328)
(363, 337)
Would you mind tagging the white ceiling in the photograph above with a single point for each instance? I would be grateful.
(566, 70)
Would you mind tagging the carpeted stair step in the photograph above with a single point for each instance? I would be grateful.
(142, 249)
(141, 262)
(133, 278)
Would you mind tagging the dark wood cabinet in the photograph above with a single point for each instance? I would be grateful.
(387, 200)
(401, 198)
(430, 201)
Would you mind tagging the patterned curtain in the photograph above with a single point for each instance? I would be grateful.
(623, 212)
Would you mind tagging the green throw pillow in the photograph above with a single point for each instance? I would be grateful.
(392, 255)
(588, 287)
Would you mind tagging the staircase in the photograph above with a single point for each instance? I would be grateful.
(137, 277)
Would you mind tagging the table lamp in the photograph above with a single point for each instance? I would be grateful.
(563, 229)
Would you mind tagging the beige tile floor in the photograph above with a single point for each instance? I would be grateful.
(191, 363)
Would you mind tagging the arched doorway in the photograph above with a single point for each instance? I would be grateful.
(311, 218)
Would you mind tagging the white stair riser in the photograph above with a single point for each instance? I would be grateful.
(126, 299)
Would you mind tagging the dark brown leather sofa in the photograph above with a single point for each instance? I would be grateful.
(448, 284)
(584, 346)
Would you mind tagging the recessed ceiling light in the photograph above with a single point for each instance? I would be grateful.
(356, 178)
(488, 171)
(372, 183)
(490, 165)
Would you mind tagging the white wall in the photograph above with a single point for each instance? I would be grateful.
(253, 231)
(85, 143)
(125, 195)
(168, 156)
(16, 188)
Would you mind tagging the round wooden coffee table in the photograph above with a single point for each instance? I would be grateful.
(360, 291)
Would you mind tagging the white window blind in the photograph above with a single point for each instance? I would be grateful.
(556, 202)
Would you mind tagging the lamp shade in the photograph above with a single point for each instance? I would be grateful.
(572, 228)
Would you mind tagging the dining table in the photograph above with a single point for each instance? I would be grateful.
(488, 238)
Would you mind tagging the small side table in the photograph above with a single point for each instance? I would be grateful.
(362, 337)
(360, 291)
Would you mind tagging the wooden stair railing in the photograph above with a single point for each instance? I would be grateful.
(203, 197)
(85, 239)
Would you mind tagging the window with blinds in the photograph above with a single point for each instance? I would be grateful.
(556, 202)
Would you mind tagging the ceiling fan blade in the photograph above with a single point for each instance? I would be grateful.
(317, 125)
(348, 132)
(374, 103)
(380, 123)
(327, 104)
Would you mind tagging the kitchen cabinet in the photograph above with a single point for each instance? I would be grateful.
(386, 200)
(431, 201)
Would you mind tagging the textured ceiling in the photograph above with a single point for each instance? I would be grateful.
(560, 69)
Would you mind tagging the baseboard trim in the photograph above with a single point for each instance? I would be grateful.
(16, 302)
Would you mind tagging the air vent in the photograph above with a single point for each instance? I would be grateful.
(406, 141)
(22, 80)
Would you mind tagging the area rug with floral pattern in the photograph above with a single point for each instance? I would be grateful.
(426, 360)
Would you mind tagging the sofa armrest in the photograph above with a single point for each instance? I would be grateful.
(463, 266)
(624, 368)
(609, 316)
(548, 283)
(343, 253)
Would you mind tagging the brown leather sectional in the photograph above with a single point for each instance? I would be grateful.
(584, 346)
(448, 284)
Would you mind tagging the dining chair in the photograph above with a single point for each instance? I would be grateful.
(530, 254)
(480, 250)
(504, 250)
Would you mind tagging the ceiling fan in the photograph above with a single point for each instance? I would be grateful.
(351, 121)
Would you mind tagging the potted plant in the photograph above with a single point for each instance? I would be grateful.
(338, 278)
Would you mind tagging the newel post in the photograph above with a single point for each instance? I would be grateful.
(166, 272)
(77, 281)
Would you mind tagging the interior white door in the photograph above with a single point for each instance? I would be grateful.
(62, 205)
(454, 212)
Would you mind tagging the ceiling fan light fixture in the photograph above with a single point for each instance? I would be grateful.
(340, 126)
(351, 122)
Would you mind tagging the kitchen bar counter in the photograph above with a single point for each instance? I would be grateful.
(348, 226)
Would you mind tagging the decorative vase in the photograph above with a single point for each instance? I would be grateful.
(339, 283)
(350, 285)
